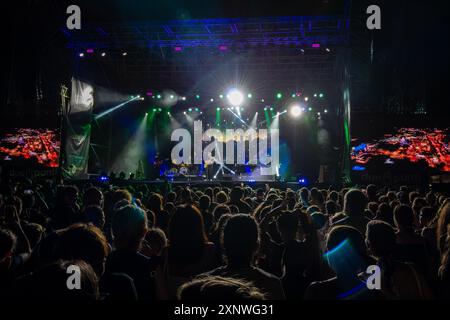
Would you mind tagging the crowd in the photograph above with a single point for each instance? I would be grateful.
(213, 243)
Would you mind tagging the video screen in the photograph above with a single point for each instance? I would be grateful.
(406, 146)
(31, 147)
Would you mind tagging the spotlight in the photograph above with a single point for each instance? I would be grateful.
(218, 109)
(235, 97)
(190, 109)
(328, 50)
(249, 95)
(262, 100)
(81, 54)
(294, 95)
(296, 111)
(172, 96)
(306, 98)
(279, 95)
(221, 96)
(197, 96)
(184, 112)
(146, 113)
(321, 95)
(196, 109)
(212, 100)
(124, 54)
(325, 111)
(309, 109)
(158, 96)
(315, 95)
(183, 98)
(103, 54)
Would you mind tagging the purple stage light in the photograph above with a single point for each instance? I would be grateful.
(315, 45)
(178, 48)
(223, 48)
(149, 93)
(90, 50)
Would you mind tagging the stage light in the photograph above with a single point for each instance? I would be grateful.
(271, 109)
(279, 95)
(296, 111)
(315, 45)
(190, 109)
(212, 100)
(183, 98)
(103, 54)
(294, 95)
(218, 109)
(309, 109)
(184, 112)
(158, 96)
(315, 95)
(124, 54)
(168, 112)
(235, 97)
(146, 113)
(196, 109)
(81, 54)
(90, 50)
(159, 109)
(154, 110)
(197, 96)
(302, 50)
(321, 95)
(325, 111)
(262, 100)
(249, 95)
(328, 50)
(306, 98)
(172, 96)
(221, 96)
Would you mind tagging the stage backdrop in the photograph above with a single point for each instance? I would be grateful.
(77, 130)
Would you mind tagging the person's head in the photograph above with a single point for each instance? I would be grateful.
(260, 194)
(384, 213)
(221, 197)
(236, 194)
(129, 226)
(220, 210)
(417, 205)
(157, 241)
(431, 199)
(186, 196)
(93, 197)
(355, 202)
(380, 238)
(443, 223)
(34, 233)
(371, 191)
(331, 208)
(204, 202)
(171, 197)
(53, 282)
(215, 288)
(240, 239)
(427, 215)
(94, 214)
(404, 217)
(8, 242)
(346, 251)
(155, 202)
(121, 195)
(83, 242)
(187, 237)
(287, 224)
(70, 195)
